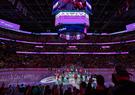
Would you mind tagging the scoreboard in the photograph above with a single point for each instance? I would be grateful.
(72, 18)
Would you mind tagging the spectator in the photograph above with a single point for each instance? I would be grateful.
(35, 90)
(61, 89)
(89, 89)
(100, 88)
(123, 86)
(11, 90)
(55, 90)
(68, 91)
(47, 90)
(22, 89)
(2, 89)
(82, 88)
(75, 91)
(28, 90)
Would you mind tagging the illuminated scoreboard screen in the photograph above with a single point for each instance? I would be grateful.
(83, 5)
(72, 18)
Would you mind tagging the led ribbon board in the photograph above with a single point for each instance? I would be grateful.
(130, 27)
(72, 18)
(9, 25)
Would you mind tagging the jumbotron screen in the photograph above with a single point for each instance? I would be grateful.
(83, 5)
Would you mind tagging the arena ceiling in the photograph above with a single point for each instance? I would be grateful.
(35, 15)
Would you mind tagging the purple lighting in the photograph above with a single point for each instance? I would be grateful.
(67, 53)
(72, 20)
(130, 27)
(73, 24)
(39, 46)
(26, 42)
(105, 47)
(49, 34)
(130, 41)
(49, 43)
(9, 25)
(70, 17)
(72, 48)
(6, 39)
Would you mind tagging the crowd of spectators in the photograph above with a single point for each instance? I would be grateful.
(121, 79)
(10, 60)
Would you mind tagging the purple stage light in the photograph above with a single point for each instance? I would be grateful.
(49, 34)
(129, 41)
(6, 39)
(120, 32)
(67, 53)
(105, 47)
(72, 48)
(56, 43)
(109, 43)
(26, 32)
(9, 25)
(130, 27)
(16, 30)
(26, 42)
(39, 46)
(104, 34)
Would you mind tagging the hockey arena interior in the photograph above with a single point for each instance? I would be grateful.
(67, 47)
